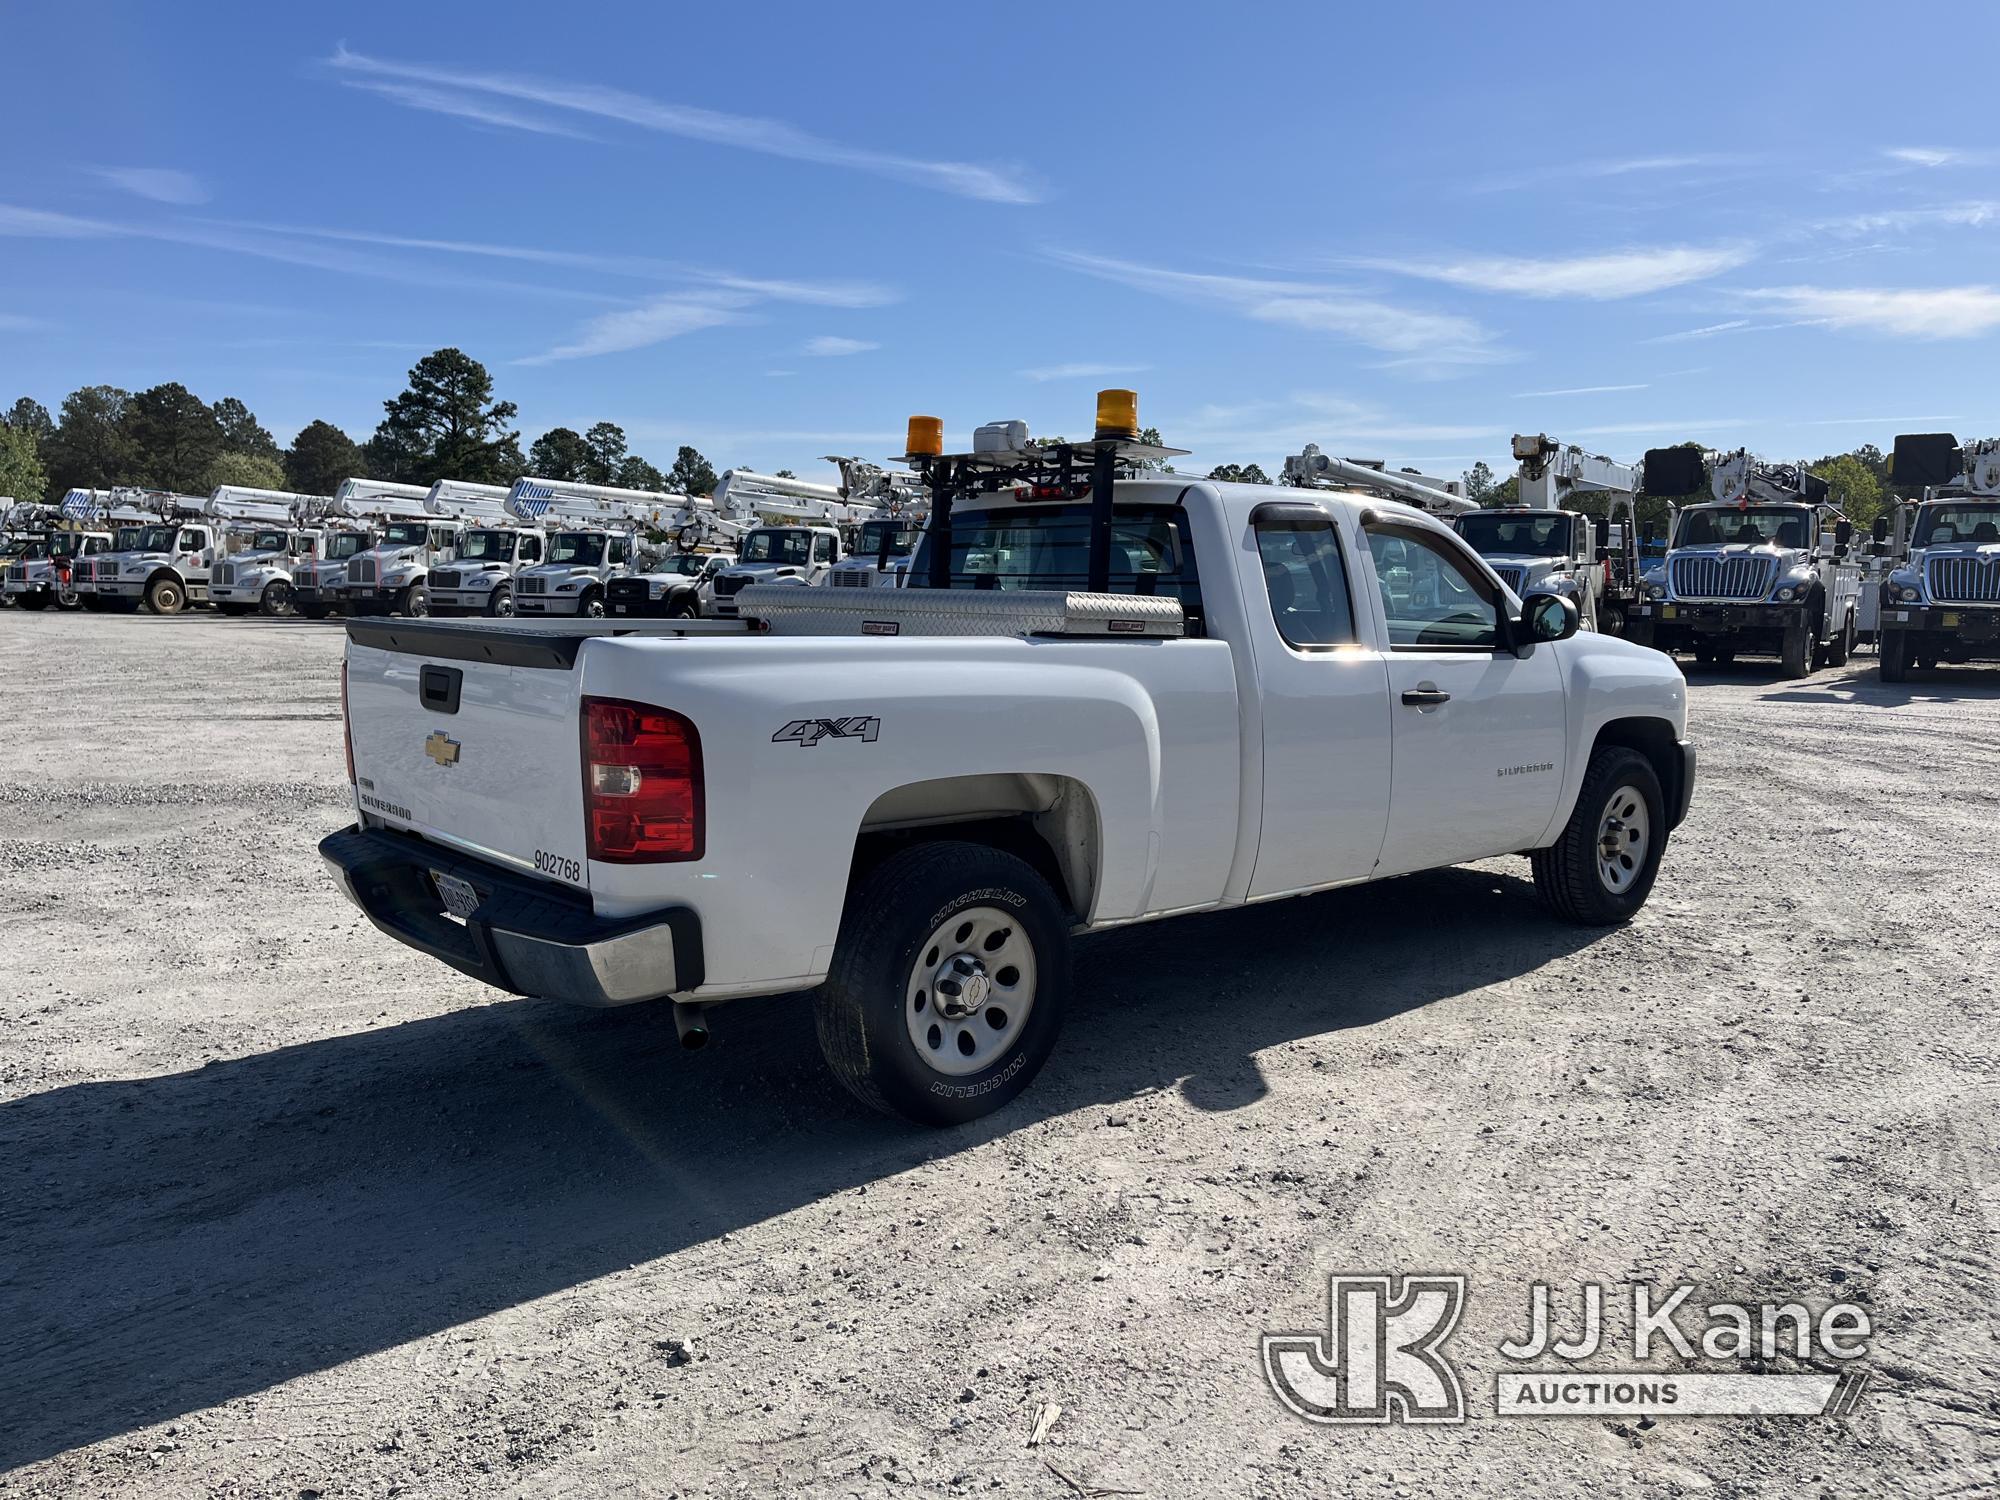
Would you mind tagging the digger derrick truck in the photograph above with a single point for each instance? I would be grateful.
(1544, 541)
(1764, 567)
(1107, 695)
(1941, 600)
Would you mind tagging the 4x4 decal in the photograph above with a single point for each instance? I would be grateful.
(810, 732)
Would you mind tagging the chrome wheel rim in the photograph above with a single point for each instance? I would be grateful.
(504, 605)
(1624, 835)
(970, 990)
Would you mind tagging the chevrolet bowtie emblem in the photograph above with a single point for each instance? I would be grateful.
(442, 748)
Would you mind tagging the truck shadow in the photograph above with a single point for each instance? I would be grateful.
(1864, 685)
(173, 1242)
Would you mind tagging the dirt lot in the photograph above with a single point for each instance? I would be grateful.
(288, 1210)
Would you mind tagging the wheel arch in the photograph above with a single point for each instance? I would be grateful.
(1655, 739)
(1050, 821)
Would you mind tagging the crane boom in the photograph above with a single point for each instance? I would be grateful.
(1315, 470)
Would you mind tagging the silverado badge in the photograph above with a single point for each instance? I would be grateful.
(442, 748)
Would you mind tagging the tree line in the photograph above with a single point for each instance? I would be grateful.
(445, 424)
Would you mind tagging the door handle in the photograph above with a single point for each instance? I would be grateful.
(1425, 697)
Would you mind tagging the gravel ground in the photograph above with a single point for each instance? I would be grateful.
(288, 1210)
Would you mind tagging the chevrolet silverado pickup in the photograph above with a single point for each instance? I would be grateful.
(1103, 697)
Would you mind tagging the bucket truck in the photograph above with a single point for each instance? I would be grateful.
(479, 578)
(125, 512)
(1764, 566)
(176, 557)
(1941, 600)
(393, 576)
(882, 546)
(1542, 541)
(54, 542)
(349, 525)
(595, 534)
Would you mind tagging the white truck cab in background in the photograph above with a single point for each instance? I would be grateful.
(883, 547)
(171, 569)
(679, 586)
(792, 555)
(259, 576)
(1105, 696)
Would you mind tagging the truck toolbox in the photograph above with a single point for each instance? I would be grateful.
(518, 934)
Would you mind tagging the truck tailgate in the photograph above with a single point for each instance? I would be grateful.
(469, 748)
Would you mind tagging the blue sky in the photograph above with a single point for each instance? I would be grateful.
(1398, 231)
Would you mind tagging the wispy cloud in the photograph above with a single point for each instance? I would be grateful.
(993, 184)
(1623, 273)
(1924, 156)
(1607, 168)
(1707, 331)
(1082, 371)
(651, 322)
(1958, 312)
(818, 293)
(464, 106)
(1417, 336)
(160, 184)
(35, 223)
(1578, 390)
(18, 323)
(1974, 214)
(830, 346)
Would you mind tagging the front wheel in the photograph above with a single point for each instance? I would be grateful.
(414, 601)
(1601, 869)
(165, 596)
(500, 602)
(276, 599)
(1796, 658)
(591, 605)
(1895, 655)
(948, 984)
(1842, 645)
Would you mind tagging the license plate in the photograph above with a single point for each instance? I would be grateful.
(1669, 612)
(620, 609)
(1951, 622)
(460, 899)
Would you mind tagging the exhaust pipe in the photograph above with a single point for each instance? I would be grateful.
(692, 1024)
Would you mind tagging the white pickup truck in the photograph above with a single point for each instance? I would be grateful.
(911, 799)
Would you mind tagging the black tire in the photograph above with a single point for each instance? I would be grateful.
(892, 915)
(276, 599)
(1570, 875)
(233, 609)
(35, 601)
(1893, 661)
(94, 603)
(500, 603)
(591, 605)
(681, 609)
(1842, 645)
(414, 602)
(1704, 656)
(166, 596)
(313, 611)
(1796, 659)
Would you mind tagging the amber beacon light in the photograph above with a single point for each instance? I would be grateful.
(1117, 414)
(926, 438)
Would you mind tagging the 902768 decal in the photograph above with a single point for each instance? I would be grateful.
(559, 865)
(809, 732)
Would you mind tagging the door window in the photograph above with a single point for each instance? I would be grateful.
(822, 549)
(1305, 579)
(1432, 598)
(531, 549)
(618, 546)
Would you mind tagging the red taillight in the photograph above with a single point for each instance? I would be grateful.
(346, 725)
(642, 784)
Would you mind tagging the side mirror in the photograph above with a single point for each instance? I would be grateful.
(1880, 530)
(1649, 533)
(1547, 617)
(1843, 533)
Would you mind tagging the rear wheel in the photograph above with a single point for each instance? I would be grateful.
(1601, 869)
(233, 609)
(948, 984)
(276, 598)
(314, 611)
(165, 596)
(35, 601)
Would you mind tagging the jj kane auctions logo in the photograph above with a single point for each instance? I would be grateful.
(1380, 1357)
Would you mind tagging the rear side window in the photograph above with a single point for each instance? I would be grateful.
(1305, 578)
